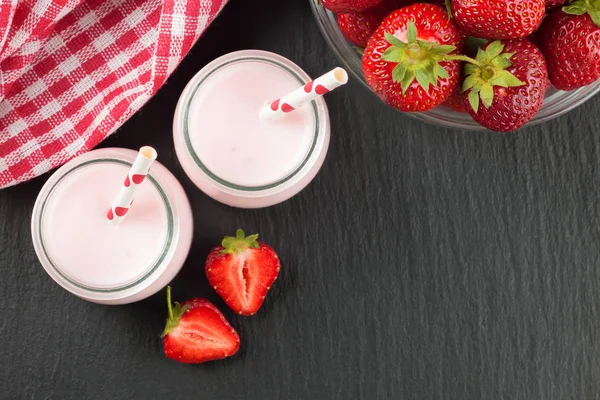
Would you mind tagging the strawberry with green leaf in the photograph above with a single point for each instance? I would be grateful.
(570, 41)
(410, 62)
(505, 84)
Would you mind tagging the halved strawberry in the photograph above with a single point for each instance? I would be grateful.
(197, 332)
(242, 271)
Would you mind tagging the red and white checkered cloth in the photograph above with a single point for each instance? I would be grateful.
(73, 71)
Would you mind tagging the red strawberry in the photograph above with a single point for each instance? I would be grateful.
(510, 78)
(570, 41)
(242, 270)
(409, 60)
(550, 4)
(196, 332)
(455, 102)
(344, 6)
(358, 27)
(498, 19)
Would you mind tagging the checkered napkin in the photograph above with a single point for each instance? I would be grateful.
(73, 71)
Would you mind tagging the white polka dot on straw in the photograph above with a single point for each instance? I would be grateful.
(305, 94)
(136, 175)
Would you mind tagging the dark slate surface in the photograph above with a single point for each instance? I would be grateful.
(422, 263)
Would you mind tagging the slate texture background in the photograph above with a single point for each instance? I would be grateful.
(422, 263)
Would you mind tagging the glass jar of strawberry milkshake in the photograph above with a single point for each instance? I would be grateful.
(228, 152)
(86, 254)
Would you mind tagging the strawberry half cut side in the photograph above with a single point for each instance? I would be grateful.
(242, 271)
(196, 332)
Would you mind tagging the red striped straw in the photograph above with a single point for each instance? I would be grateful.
(309, 92)
(122, 202)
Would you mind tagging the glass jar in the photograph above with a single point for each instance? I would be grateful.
(216, 131)
(100, 262)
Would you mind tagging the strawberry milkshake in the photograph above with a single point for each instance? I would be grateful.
(99, 261)
(232, 155)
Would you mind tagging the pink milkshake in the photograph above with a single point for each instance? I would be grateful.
(228, 152)
(96, 260)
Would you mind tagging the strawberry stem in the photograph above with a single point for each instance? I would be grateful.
(169, 306)
(458, 57)
(175, 313)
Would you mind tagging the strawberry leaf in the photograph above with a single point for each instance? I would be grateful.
(443, 49)
(239, 243)
(501, 62)
(441, 72)
(487, 94)
(474, 100)
(407, 80)
(392, 54)
(411, 32)
(423, 79)
(510, 79)
(398, 72)
(576, 8)
(494, 49)
(499, 81)
(470, 68)
(471, 82)
(393, 40)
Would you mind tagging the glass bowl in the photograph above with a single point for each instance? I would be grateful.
(556, 103)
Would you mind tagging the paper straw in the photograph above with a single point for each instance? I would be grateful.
(122, 202)
(309, 92)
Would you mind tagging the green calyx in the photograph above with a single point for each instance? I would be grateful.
(580, 7)
(175, 313)
(486, 71)
(239, 243)
(416, 59)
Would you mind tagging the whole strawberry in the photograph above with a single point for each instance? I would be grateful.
(570, 41)
(498, 19)
(358, 27)
(242, 271)
(344, 6)
(505, 86)
(197, 332)
(408, 62)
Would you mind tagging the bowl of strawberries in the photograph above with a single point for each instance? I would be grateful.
(470, 64)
